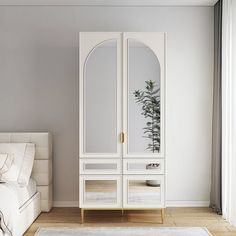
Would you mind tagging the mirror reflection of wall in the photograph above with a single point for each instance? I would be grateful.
(100, 166)
(100, 99)
(143, 66)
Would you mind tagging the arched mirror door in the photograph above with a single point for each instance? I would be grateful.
(143, 105)
(101, 95)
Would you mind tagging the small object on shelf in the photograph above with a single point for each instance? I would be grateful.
(152, 183)
(153, 166)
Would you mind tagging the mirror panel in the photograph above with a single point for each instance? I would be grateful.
(136, 166)
(100, 166)
(143, 99)
(144, 192)
(100, 99)
(100, 192)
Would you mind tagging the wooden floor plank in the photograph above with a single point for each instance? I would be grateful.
(174, 217)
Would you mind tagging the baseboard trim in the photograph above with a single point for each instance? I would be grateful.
(187, 203)
(168, 203)
(66, 204)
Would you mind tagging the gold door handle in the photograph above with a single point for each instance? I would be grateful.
(122, 137)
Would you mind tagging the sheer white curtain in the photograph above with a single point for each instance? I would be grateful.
(229, 110)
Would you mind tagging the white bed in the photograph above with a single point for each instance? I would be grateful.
(24, 194)
(37, 196)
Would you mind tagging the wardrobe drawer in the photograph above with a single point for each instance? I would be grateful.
(100, 191)
(143, 166)
(100, 166)
(143, 191)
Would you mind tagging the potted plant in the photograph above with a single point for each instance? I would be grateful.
(149, 99)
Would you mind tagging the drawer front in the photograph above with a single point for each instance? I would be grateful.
(100, 191)
(143, 166)
(143, 191)
(100, 166)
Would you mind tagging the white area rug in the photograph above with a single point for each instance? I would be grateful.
(123, 231)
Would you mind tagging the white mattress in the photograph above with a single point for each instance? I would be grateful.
(23, 193)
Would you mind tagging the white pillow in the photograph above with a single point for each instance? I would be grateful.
(5, 162)
(22, 165)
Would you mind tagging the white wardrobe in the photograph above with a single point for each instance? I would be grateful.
(122, 121)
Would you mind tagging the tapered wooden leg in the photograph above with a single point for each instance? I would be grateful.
(81, 215)
(162, 215)
(122, 212)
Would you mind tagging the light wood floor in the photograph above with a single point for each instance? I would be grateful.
(202, 217)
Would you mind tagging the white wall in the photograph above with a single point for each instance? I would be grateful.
(234, 37)
(39, 84)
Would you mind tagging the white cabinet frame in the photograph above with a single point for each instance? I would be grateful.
(122, 157)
